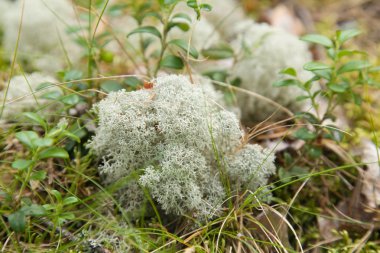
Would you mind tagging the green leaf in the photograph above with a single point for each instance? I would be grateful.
(43, 142)
(52, 95)
(205, 7)
(217, 75)
(221, 51)
(67, 216)
(21, 164)
(54, 132)
(35, 118)
(318, 39)
(71, 99)
(353, 66)
(304, 134)
(33, 210)
(286, 82)
(308, 116)
(132, 81)
(38, 176)
(109, 86)
(181, 25)
(312, 66)
(27, 137)
(324, 73)
(70, 200)
(301, 98)
(289, 71)
(338, 88)
(54, 152)
(345, 35)
(307, 86)
(72, 75)
(167, 2)
(71, 135)
(185, 46)
(171, 61)
(331, 53)
(17, 221)
(57, 195)
(48, 207)
(44, 85)
(314, 152)
(342, 53)
(357, 99)
(192, 3)
(146, 29)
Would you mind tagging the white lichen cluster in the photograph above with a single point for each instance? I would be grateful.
(22, 96)
(244, 171)
(178, 139)
(107, 240)
(264, 52)
(44, 42)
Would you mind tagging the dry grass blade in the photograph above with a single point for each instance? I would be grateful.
(254, 94)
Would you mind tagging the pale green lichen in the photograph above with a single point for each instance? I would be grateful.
(250, 163)
(175, 136)
(264, 51)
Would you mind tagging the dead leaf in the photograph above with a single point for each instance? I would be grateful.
(274, 226)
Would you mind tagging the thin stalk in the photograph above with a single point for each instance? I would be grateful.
(163, 40)
(13, 60)
(90, 45)
(163, 48)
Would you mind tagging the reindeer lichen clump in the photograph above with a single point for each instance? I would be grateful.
(177, 140)
(265, 51)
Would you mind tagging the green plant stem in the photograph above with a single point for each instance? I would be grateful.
(333, 80)
(29, 172)
(13, 61)
(163, 48)
(163, 40)
(90, 45)
(145, 60)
